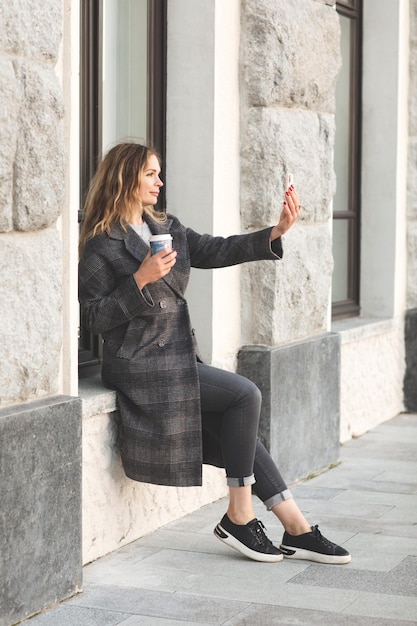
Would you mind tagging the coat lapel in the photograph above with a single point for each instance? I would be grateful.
(162, 229)
(135, 245)
(138, 249)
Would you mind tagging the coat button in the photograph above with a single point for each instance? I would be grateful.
(161, 343)
(180, 302)
(163, 304)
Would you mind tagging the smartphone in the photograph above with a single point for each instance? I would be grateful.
(289, 180)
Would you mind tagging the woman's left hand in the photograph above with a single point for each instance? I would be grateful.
(289, 214)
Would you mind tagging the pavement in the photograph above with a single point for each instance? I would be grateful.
(181, 574)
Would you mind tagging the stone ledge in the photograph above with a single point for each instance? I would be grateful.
(356, 328)
(95, 397)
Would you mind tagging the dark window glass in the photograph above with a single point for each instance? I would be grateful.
(123, 96)
(347, 162)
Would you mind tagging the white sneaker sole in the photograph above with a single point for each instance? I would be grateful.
(297, 553)
(231, 541)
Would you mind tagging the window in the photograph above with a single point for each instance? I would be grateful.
(347, 162)
(123, 93)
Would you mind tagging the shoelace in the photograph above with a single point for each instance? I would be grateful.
(257, 528)
(317, 535)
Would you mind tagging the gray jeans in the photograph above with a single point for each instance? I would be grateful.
(230, 406)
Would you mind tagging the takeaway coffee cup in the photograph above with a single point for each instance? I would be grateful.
(160, 242)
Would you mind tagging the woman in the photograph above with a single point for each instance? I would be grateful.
(175, 411)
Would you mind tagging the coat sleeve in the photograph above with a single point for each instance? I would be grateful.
(105, 302)
(208, 252)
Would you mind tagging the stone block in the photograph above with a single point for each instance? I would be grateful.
(410, 379)
(31, 28)
(412, 264)
(40, 494)
(412, 177)
(413, 35)
(412, 120)
(30, 308)
(413, 22)
(279, 67)
(39, 167)
(373, 364)
(10, 100)
(279, 140)
(300, 385)
(288, 300)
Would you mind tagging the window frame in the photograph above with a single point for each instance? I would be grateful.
(91, 71)
(351, 306)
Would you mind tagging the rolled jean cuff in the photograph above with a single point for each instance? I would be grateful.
(241, 482)
(278, 498)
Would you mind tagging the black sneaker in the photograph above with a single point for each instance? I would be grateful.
(313, 547)
(249, 539)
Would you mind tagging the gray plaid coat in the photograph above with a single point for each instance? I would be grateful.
(150, 355)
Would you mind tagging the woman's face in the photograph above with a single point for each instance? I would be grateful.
(149, 182)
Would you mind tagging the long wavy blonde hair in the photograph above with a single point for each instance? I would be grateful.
(113, 194)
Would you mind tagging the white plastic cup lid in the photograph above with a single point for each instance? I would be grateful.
(160, 238)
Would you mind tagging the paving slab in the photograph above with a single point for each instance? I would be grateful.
(314, 492)
(375, 561)
(381, 526)
(398, 477)
(264, 615)
(184, 607)
(402, 514)
(68, 615)
(399, 581)
(400, 451)
(386, 483)
(383, 544)
(274, 593)
(400, 500)
(388, 432)
(146, 620)
(384, 606)
(171, 568)
(343, 508)
(178, 540)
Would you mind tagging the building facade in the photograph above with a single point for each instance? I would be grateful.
(235, 94)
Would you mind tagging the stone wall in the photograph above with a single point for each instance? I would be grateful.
(412, 164)
(31, 198)
(288, 91)
(410, 379)
(287, 113)
(40, 430)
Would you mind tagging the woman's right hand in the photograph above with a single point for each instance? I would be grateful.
(154, 267)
